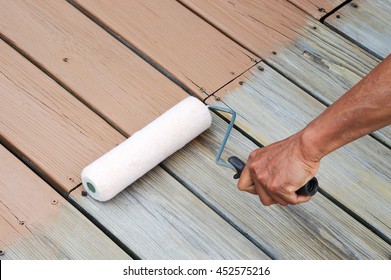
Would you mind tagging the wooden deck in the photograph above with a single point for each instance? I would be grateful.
(78, 77)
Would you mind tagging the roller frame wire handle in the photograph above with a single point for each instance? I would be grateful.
(309, 189)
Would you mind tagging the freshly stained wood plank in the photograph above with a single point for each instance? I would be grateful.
(60, 136)
(48, 126)
(270, 108)
(172, 36)
(159, 219)
(318, 60)
(367, 23)
(317, 8)
(89, 61)
(315, 230)
(37, 223)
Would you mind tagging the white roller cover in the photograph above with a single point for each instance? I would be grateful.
(117, 169)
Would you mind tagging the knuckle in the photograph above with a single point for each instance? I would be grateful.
(266, 201)
(241, 187)
(252, 155)
(252, 165)
(274, 188)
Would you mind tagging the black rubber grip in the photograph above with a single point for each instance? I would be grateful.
(309, 189)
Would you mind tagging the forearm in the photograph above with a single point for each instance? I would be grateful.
(363, 109)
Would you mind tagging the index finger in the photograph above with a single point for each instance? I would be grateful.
(246, 182)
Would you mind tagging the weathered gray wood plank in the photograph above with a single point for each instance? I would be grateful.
(315, 230)
(358, 175)
(317, 8)
(159, 219)
(366, 23)
(37, 223)
(305, 51)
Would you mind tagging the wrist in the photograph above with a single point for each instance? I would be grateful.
(310, 145)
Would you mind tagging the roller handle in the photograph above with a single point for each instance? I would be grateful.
(309, 189)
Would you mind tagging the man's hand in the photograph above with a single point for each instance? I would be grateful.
(275, 172)
(278, 170)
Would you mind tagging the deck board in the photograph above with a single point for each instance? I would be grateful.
(187, 208)
(358, 175)
(366, 23)
(315, 230)
(45, 124)
(317, 8)
(318, 60)
(187, 47)
(37, 223)
(88, 61)
(159, 219)
(73, 136)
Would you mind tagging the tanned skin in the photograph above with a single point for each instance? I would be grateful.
(276, 171)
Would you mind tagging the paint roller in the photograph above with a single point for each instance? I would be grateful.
(124, 164)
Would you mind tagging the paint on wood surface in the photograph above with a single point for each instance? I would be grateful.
(46, 125)
(159, 219)
(59, 135)
(89, 61)
(37, 223)
(191, 50)
(315, 230)
(270, 108)
(366, 23)
(299, 47)
(317, 8)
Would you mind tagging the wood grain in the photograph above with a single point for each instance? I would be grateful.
(315, 230)
(60, 136)
(191, 50)
(159, 219)
(318, 60)
(366, 23)
(37, 223)
(190, 239)
(54, 131)
(270, 108)
(317, 8)
(89, 61)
